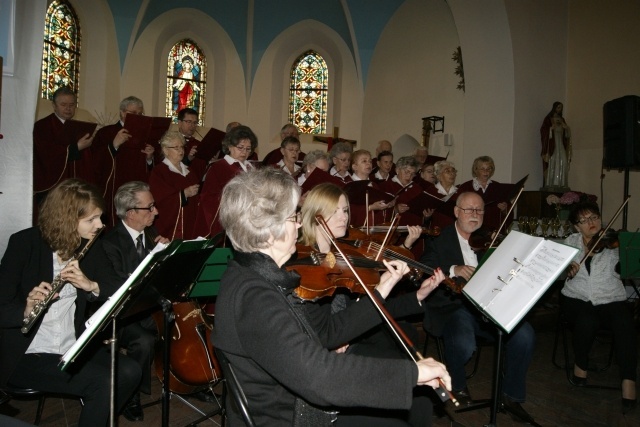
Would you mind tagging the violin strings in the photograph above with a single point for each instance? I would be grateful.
(410, 262)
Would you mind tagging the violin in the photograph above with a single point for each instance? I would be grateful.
(398, 333)
(321, 274)
(603, 240)
(483, 239)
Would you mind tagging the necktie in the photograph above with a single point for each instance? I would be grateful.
(140, 247)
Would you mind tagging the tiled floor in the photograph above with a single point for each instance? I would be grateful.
(551, 400)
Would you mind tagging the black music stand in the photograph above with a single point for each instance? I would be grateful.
(162, 277)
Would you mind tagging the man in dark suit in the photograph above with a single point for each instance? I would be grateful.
(126, 246)
(459, 323)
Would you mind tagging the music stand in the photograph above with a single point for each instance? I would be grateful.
(163, 276)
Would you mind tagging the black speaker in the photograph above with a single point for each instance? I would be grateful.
(621, 126)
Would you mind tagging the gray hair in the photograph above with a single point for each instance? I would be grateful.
(126, 197)
(442, 165)
(255, 206)
(312, 157)
(339, 148)
(131, 100)
(407, 161)
(168, 138)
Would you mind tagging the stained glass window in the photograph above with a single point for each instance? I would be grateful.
(186, 79)
(308, 93)
(61, 52)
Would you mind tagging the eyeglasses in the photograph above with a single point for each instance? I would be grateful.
(489, 169)
(246, 149)
(151, 208)
(135, 113)
(176, 147)
(592, 218)
(344, 159)
(469, 211)
(449, 171)
(296, 217)
(190, 122)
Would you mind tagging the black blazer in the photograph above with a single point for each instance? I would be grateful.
(28, 261)
(443, 251)
(121, 251)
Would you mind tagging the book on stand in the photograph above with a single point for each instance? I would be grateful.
(514, 277)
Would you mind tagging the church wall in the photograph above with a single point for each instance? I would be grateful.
(412, 76)
(19, 97)
(603, 64)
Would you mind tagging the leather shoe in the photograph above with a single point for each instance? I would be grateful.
(133, 410)
(578, 381)
(463, 397)
(628, 405)
(205, 396)
(516, 411)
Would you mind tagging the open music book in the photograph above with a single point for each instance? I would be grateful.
(515, 276)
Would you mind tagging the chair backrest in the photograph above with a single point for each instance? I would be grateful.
(235, 388)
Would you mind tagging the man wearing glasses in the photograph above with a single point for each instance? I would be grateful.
(187, 125)
(458, 322)
(126, 246)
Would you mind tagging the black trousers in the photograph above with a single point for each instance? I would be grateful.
(88, 379)
(587, 319)
(139, 339)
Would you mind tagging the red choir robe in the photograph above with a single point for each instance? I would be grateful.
(405, 195)
(116, 167)
(176, 213)
(56, 156)
(443, 214)
(357, 192)
(493, 195)
(218, 175)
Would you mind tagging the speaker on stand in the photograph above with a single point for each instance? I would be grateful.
(621, 138)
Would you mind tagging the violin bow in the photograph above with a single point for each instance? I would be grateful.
(392, 226)
(506, 217)
(398, 333)
(615, 216)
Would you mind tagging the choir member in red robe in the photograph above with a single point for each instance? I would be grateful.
(273, 157)
(446, 190)
(175, 189)
(375, 209)
(121, 158)
(57, 153)
(495, 203)
(238, 145)
(187, 124)
(340, 156)
(407, 191)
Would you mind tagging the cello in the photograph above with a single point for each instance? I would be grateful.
(193, 366)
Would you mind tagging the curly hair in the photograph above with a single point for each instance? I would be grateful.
(321, 200)
(64, 206)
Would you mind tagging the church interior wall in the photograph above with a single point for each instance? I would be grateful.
(411, 76)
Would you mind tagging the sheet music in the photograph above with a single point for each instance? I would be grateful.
(516, 275)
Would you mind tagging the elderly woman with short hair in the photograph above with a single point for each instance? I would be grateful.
(340, 156)
(175, 189)
(445, 190)
(495, 200)
(237, 145)
(285, 371)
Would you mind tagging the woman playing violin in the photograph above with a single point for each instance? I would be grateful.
(280, 361)
(593, 297)
(331, 203)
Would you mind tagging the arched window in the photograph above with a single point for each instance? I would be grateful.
(61, 51)
(186, 79)
(308, 93)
